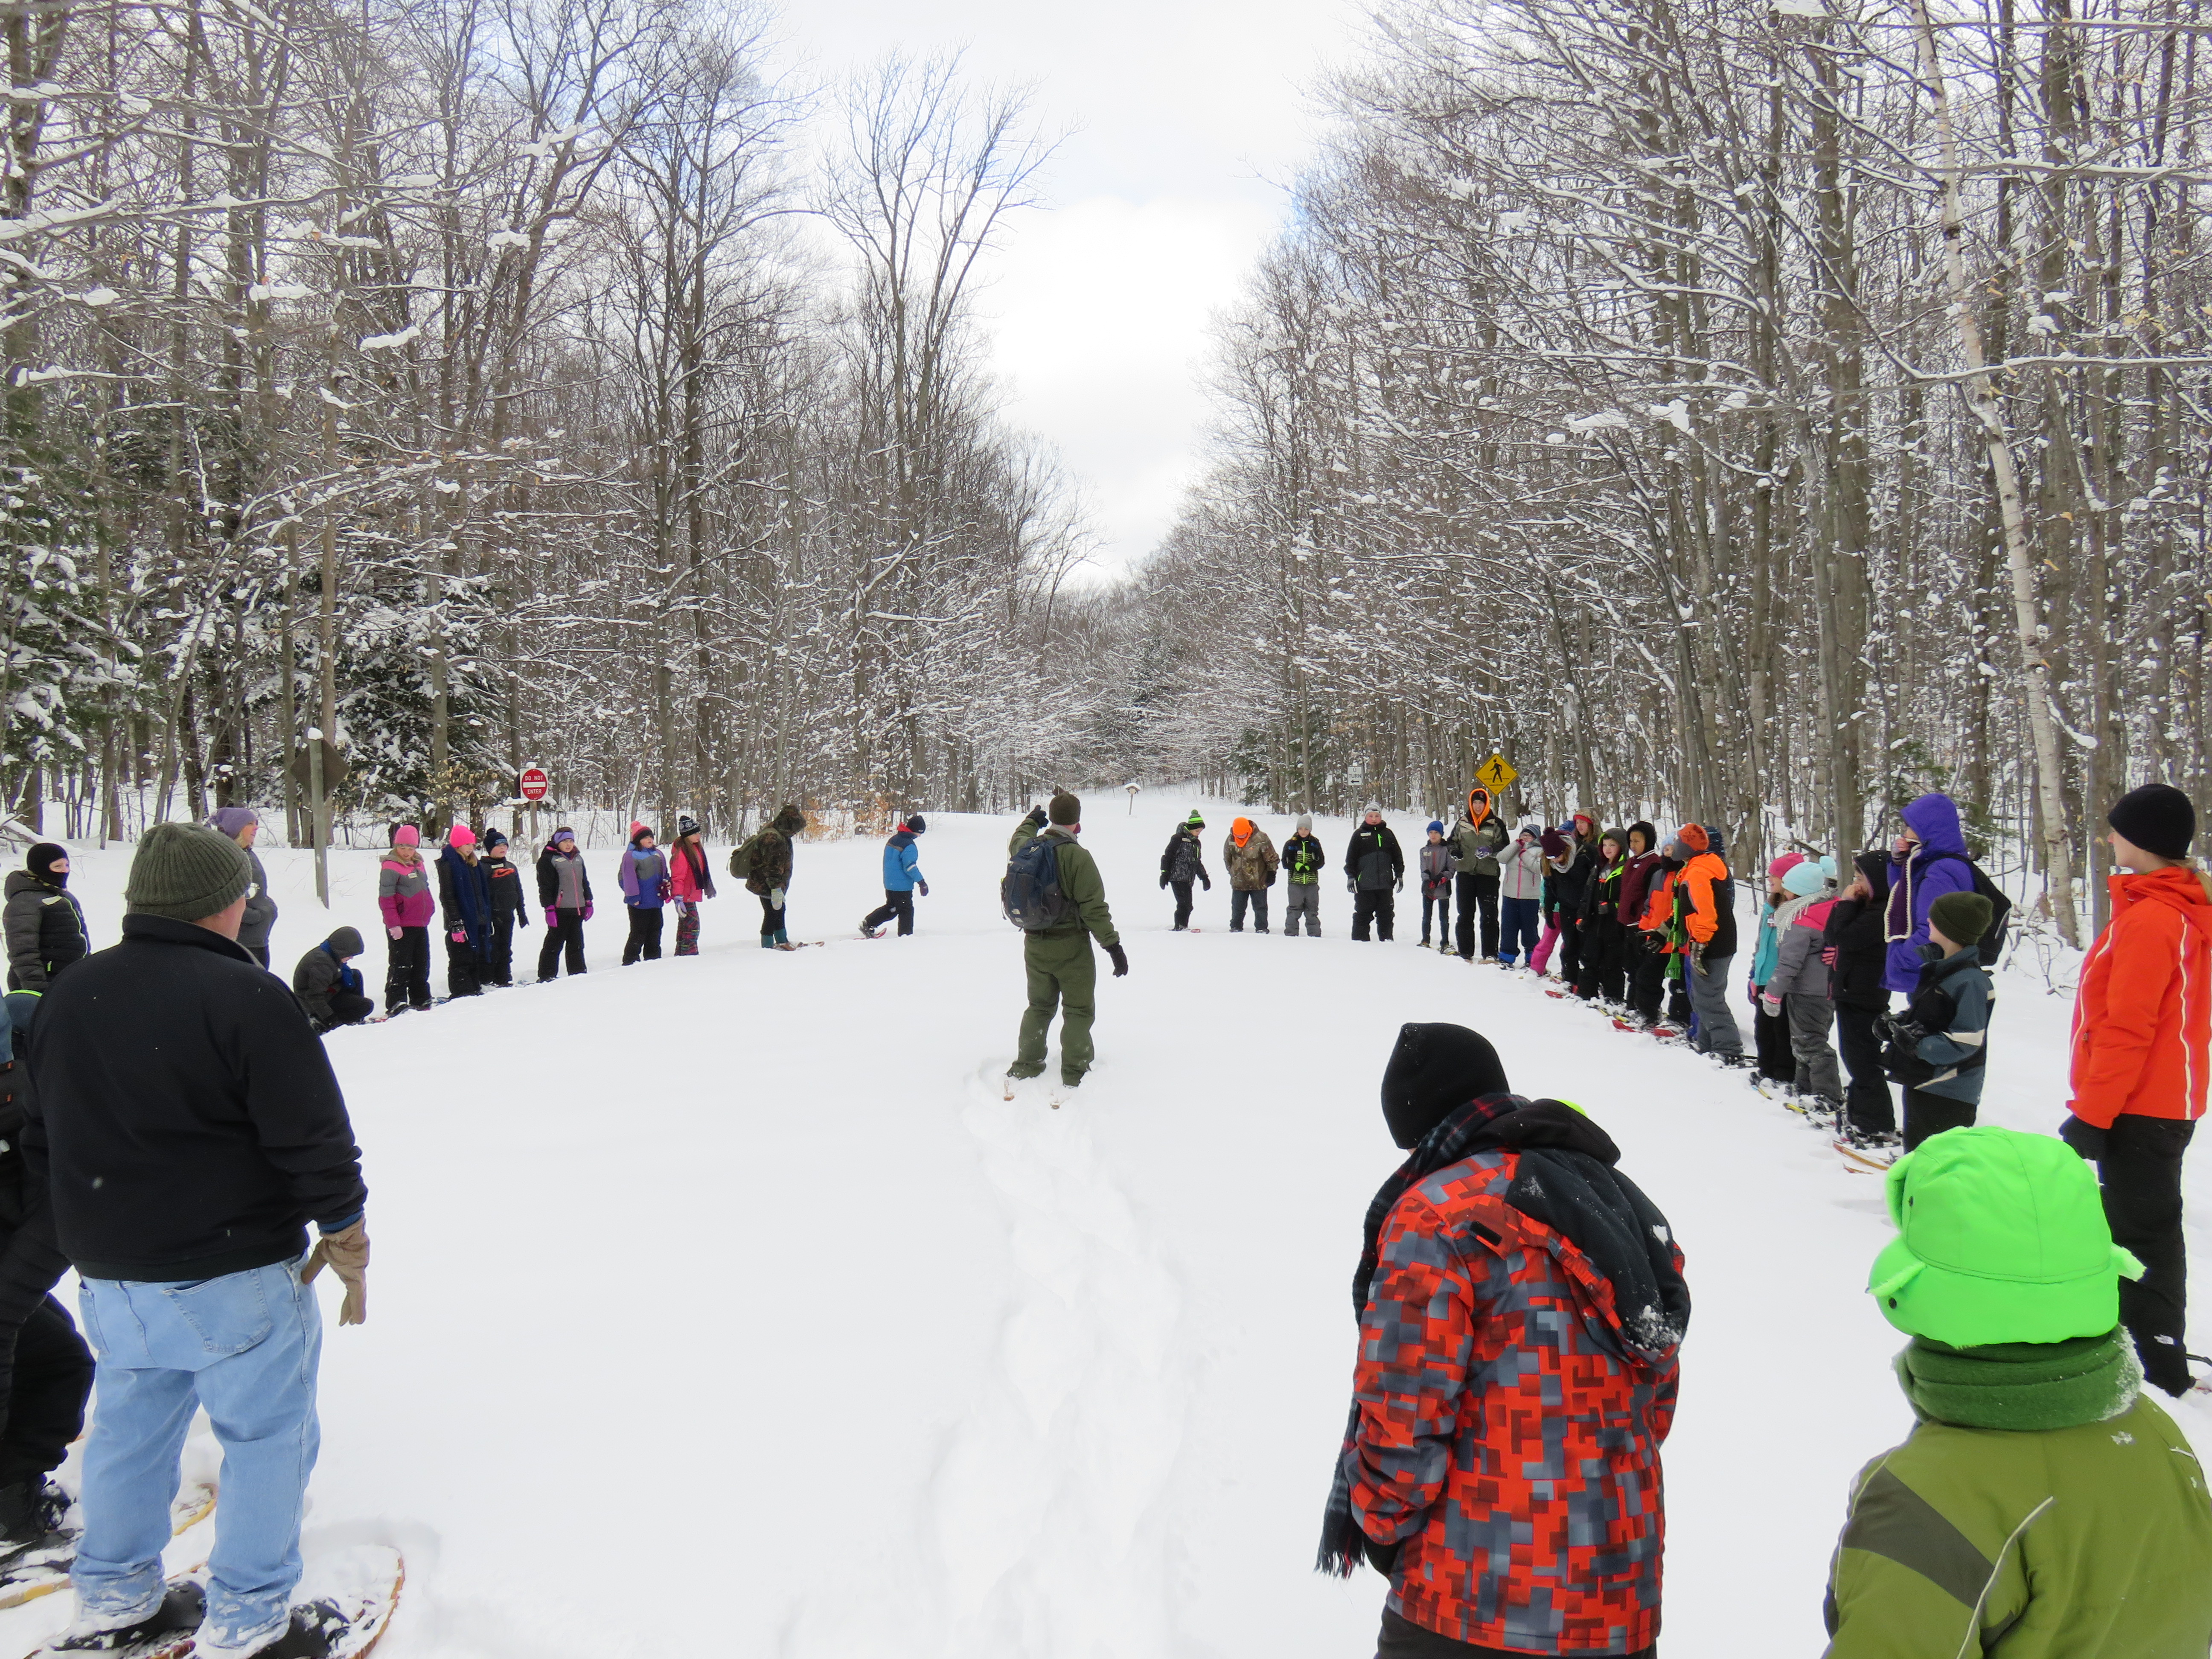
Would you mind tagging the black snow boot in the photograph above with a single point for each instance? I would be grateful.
(313, 1633)
(180, 1614)
(30, 1512)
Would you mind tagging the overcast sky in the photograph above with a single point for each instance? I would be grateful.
(1189, 117)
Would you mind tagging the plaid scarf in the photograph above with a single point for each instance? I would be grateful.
(1566, 1182)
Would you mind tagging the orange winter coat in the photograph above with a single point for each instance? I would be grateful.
(2142, 1019)
(1659, 900)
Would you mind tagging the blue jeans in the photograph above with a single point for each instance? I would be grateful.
(1517, 920)
(246, 1347)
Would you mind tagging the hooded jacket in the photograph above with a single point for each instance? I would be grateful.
(1252, 866)
(2089, 1539)
(1939, 864)
(1304, 860)
(1952, 1003)
(1373, 861)
(319, 973)
(1566, 887)
(644, 877)
(1637, 873)
(2142, 1016)
(1512, 1401)
(1704, 895)
(1477, 838)
(464, 897)
(772, 851)
(1602, 898)
(45, 927)
(1800, 971)
(1521, 870)
(1853, 931)
(403, 891)
(1184, 860)
(562, 883)
(901, 863)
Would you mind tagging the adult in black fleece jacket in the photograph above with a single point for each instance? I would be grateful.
(189, 1127)
(187, 1118)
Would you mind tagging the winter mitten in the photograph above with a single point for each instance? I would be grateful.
(1120, 959)
(460, 936)
(553, 917)
(665, 888)
(1036, 816)
(1163, 882)
(1773, 1006)
(775, 898)
(2084, 1138)
(587, 912)
(522, 918)
(345, 1253)
(396, 933)
(922, 887)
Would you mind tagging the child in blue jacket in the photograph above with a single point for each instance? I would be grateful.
(1939, 1046)
(902, 880)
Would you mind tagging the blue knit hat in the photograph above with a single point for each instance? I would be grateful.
(1437, 825)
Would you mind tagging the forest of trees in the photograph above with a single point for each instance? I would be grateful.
(1765, 413)
(486, 382)
(1755, 412)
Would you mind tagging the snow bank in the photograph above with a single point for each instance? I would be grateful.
(721, 1304)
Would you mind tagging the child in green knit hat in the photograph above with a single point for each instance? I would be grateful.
(2041, 1508)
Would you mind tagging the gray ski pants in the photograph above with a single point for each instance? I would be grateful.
(1709, 1001)
(1301, 899)
(1810, 1020)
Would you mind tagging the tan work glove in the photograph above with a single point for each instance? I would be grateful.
(345, 1253)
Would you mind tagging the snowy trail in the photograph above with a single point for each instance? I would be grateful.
(724, 1303)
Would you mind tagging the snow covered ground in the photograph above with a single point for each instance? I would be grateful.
(722, 1306)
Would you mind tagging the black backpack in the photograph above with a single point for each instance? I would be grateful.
(1031, 894)
(1993, 942)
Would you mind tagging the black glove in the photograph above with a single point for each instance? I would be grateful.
(1121, 960)
(2086, 1138)
(1208, 883)
(1164, 881)
(1384, 1558)
(1904, 1034)
(1036, 816)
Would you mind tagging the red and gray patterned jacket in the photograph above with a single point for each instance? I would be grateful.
(1506, 1433)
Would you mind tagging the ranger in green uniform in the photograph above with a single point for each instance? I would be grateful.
(2042, 1509)
(1063, 974)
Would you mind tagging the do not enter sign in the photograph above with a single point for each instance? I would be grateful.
(534, 783)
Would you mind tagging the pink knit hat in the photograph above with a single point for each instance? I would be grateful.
(1782, 865)
(460, 836)
(406, 836)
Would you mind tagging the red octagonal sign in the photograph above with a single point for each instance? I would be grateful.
(534, 783)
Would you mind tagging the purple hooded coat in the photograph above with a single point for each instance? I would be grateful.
(1938, 866)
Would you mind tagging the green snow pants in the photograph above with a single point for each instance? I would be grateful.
(1063, 975)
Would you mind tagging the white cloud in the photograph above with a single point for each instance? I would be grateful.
(1188, 119)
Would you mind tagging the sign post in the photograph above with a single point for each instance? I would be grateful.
(1132, 787)
(534, 784)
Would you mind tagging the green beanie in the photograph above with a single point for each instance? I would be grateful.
(1962, 918)
(1065, 809)
(1195, 821)
(187, 872)
(2002, 1238)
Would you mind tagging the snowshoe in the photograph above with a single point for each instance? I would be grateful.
(342, 1625)
(1062, 1090)
(164, 1633)
(867, 932)
(1873, 1160)
(28, 1572)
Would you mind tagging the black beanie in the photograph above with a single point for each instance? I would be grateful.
(2157, 817)
(1065, 809)
(916, 824)
(1433, 1071)
(39, 862)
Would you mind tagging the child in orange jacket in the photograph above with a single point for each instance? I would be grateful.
(2143, 1025)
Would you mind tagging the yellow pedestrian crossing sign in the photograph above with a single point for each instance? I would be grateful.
(1495, 775)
